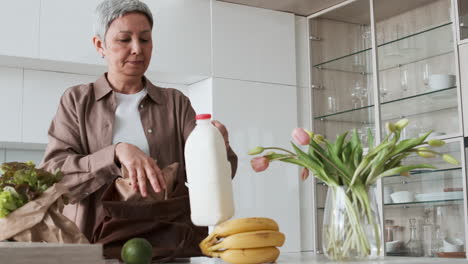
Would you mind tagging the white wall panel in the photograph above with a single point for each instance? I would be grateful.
(253, 44)
(42, 92)
(67, 31)
(24, 155)
(302, 52)
(262, 114)
(201, 96)
(2, 156)
(181, 36)
(11, 88)
(19, 27)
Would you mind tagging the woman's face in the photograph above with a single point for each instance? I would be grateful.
(128, 45)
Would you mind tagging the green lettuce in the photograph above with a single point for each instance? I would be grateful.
(10, 200)
(21, 182)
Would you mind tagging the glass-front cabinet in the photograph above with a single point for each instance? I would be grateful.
(378, 61)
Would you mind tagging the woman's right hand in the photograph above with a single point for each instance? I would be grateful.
(140, 167)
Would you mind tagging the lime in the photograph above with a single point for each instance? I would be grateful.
(137, 251)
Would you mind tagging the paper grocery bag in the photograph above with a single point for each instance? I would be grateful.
(41, 220)
(165, 223)
(127, 193)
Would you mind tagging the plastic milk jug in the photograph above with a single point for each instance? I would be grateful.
(208, 174)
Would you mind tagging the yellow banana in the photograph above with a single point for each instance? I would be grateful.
(255, 239)
(235, 226)
(241, 225)
(249, 255)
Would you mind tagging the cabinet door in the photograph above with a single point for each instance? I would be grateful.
(11, 85)
(19, 24)
(253, 44)
(42, 92)
(20, 155)
(2, 156)
(67, 31)
(181, 36)
(258, 121)
(463, 59)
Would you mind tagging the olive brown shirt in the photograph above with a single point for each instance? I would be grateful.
(80, 143)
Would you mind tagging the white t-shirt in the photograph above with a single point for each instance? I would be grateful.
(127, 124)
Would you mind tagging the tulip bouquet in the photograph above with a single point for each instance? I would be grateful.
(343, 164)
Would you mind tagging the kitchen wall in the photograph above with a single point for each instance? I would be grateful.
(242, 64)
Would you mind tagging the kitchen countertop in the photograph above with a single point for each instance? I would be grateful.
(309, 258)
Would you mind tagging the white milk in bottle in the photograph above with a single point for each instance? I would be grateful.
(208, 174)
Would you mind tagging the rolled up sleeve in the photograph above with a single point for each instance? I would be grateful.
(84, 173)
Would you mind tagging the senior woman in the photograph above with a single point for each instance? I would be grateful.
(123, 120)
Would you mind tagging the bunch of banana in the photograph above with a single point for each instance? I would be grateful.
(244, 241)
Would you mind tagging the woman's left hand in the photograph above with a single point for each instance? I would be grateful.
(223, 131)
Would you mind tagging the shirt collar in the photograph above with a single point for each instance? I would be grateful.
(102, 88)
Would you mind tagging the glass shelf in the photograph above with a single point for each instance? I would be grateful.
(425, 203)
(353, 63)
(408, 106)
(424, 103)
(419, 172)
(358, 115)
(426, 44)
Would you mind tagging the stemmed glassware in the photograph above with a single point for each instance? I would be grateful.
(404, 79)
(425, 74)
(359, 94)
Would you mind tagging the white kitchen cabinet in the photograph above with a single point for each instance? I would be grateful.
(67, 31)
(253, 44)
(201, 96)
(262, 114)
(181, 36)
(42, 92)
(463, 59)
(181, 87)
(20, 155)
(19, 26)
(2, 156)
(11, 86)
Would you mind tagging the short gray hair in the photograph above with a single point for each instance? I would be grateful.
(109, 10)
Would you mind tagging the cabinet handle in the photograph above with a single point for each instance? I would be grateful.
(318, 87)
(315, 38)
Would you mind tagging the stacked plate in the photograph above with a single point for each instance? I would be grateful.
(47, 253)
(436, 196)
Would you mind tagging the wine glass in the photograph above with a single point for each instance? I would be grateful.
(359, 94)
(404, 79)
(425, 74)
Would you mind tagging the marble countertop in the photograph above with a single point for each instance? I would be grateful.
(309, 258)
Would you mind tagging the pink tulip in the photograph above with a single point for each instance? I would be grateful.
(304, 174)
(259, 164)
(301, 136)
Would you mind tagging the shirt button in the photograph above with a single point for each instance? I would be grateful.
(86, 193)
(150, 131)
(141, 106)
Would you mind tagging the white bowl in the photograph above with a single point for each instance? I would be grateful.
(388, 190)
(452, 244)
(441, 81)
(392, 246)
(402, 197)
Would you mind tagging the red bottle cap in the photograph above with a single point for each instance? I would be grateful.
(203, 116)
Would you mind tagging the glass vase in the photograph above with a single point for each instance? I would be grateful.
(351, 224)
